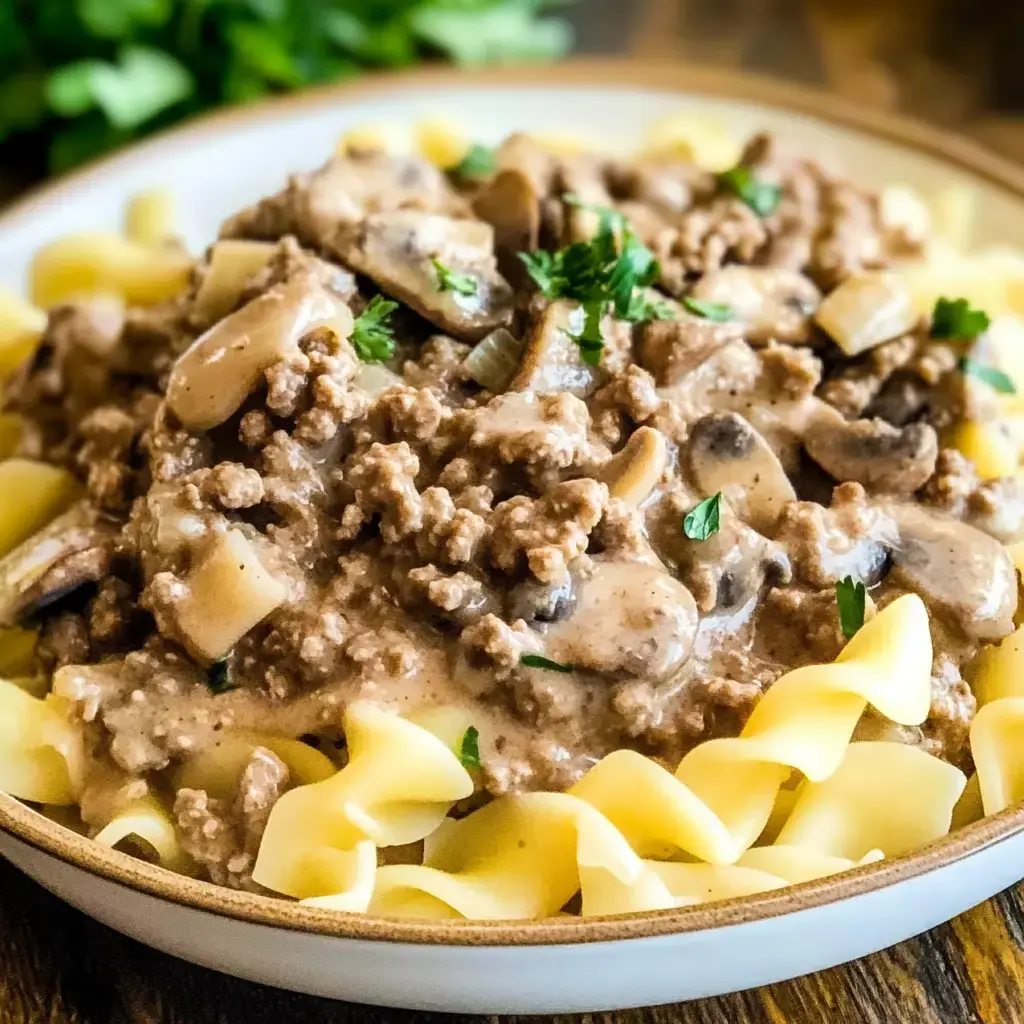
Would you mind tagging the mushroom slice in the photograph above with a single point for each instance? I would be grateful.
(215, 375)
(727, 454)
(630, 618)
(634, 473)
(957, 569)
(552, 360)
(74, 549)
(872, 452)
(511, 205)
(770, 302)
(398, 250)
(866, 310)
(673, 349)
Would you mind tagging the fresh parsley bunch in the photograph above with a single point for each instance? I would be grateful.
(82, 76)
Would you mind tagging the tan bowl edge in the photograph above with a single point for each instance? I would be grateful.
(32, 828)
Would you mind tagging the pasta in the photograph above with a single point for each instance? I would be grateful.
(299, 594)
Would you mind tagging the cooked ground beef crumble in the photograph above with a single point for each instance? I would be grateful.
(421, 533)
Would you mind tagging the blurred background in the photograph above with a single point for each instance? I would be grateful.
(81, 77)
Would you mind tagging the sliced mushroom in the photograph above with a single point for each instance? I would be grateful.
(897, 460)
(630, 618)
(76, 548)
(213, 377)
(727, 454)
(634, 473)
(552, 360)
(957, 569)
(511, 205)
(342, 192)
(397, 251)
(867, 310)
(673, 349)
(730, 568)
(770, 302)
(523, 153)
(535, 601)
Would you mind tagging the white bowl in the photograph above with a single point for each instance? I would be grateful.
(218, 164)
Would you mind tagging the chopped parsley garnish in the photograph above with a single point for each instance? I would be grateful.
(705, 519)
(956, 319)
(539, 661)
(994, 378)
(761, 196)
(469, 748)
(479, 162)
(372, 337)
(607, 270)
(642, 308)
(450, 281)
(717, 311)
(850, 598)
(218, 677)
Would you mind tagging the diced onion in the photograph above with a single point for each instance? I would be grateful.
(375, 378)
(494, 361)
(867, 310)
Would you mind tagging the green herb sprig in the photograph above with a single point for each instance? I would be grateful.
(372, 336)
(479, 162)
(469, 748)
(851, 597)
(995, 379)
(606, 271)
(957, 319)
(449, 280)
(717, 311)
(761, 196)
(705, 519)
(82, 76)
(539, 661)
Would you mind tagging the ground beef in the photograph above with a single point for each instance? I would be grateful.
(224, 838)
(427, 533)
(546, 534)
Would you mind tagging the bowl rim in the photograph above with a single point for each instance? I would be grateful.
(39, 832)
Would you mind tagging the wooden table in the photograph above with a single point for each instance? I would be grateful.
(58, 967)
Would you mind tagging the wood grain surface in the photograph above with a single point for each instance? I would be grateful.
(59, 967)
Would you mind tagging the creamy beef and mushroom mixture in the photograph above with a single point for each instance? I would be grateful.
(594, 450)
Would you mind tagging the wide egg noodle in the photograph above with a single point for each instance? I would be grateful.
(997, 728)
(40, 747)
(398, 786)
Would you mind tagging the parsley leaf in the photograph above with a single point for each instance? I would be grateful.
(469, 748)
(600, 272)
(761, 196)
(218, 677)
(956, 319)
(704, 519)
(539, 661)
(372, 337)
(450, 281)
(642, 308)
(479, 162)
(995, 379)
(850, 597)
(717, 311)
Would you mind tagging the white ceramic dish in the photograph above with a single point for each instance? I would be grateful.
(221, 163)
